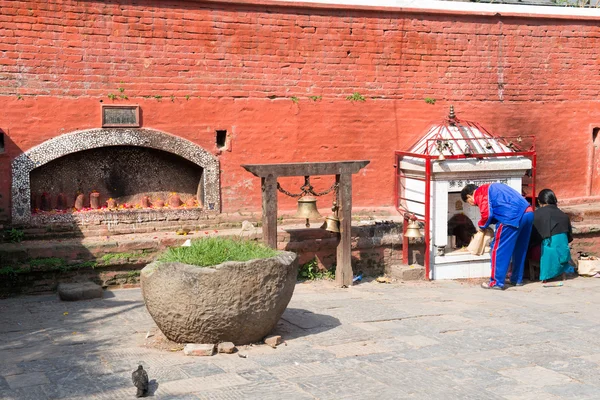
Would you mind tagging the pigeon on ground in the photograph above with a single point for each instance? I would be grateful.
(140, 380)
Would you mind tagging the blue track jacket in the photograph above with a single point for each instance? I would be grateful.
(499, 203)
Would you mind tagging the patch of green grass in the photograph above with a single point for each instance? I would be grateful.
(49, 262)
(59, 264)
(86, 264)
(315, 98)
(208, 252)
(295, 99)
(11, 271)
(429, 100)
(133, 274)
(116, 256)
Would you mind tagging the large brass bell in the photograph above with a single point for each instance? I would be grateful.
(413, 231)
(331, 224)
(307, 208)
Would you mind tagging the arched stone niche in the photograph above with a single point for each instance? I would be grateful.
(81, 141)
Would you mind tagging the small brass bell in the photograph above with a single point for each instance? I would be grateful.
(307, 208)
(331, 224)
(441, 157)
(413, 231)
(467, 151)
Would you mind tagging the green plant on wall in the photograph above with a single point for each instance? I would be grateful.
(112, 96)
(356, 97)
(158, 97)
(429, 100)
(294, 99)
(59, 264)
(15, 235)
(315, 98)
(311, 271)
(172, 99)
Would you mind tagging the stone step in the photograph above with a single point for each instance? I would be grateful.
(583, 212)
(406, 272)
(34, 266)
(99, 223)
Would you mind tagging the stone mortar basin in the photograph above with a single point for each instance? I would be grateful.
(237, 302)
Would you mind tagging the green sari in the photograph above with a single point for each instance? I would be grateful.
(555, 256)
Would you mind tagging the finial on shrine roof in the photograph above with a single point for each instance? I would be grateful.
(452, 115)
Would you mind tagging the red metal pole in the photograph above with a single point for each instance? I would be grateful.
(404, 241)
(533, 173)
(396, 184)
(427, 215)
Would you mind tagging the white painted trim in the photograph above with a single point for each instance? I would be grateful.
(464, 7)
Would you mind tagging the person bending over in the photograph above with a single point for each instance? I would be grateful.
(503, 206)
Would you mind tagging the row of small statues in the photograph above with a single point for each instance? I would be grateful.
(44, 202)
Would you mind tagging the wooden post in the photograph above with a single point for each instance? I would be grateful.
(343, 171)
(269, 210)
(343, 269)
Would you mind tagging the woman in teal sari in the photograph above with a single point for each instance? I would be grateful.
(552, 231)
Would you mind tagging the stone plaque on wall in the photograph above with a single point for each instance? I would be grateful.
(120, 116)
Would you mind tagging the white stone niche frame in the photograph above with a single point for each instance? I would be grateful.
(74, 142)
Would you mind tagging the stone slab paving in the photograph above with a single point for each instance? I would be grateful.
(421, 340)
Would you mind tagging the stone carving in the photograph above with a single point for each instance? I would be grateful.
(237, 302)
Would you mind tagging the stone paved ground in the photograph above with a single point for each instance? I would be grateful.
(442, 340)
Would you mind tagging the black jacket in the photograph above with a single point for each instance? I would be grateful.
(548, 221)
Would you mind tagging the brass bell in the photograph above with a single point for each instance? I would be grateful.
(307, 208)
(441, 157)
(331, 224)
(467, 151)
(413, 230)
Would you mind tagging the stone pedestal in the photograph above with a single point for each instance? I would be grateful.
(405, 272)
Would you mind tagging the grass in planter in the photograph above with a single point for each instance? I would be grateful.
(209, 252)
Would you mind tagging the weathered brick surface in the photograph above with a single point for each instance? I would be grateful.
(240, 65)
(75, 49)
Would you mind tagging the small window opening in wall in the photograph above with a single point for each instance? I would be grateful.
(221, 138)
(1, 141)
(595, 134)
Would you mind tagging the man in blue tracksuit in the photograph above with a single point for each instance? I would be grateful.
(502, 205)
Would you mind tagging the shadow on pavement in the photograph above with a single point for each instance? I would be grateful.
(296, 323)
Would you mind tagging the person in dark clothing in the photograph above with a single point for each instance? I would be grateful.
(552, 232)
(502, 205)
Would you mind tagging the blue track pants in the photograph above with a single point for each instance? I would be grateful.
(510, 244)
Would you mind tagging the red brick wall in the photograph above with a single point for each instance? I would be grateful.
(241, 64)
